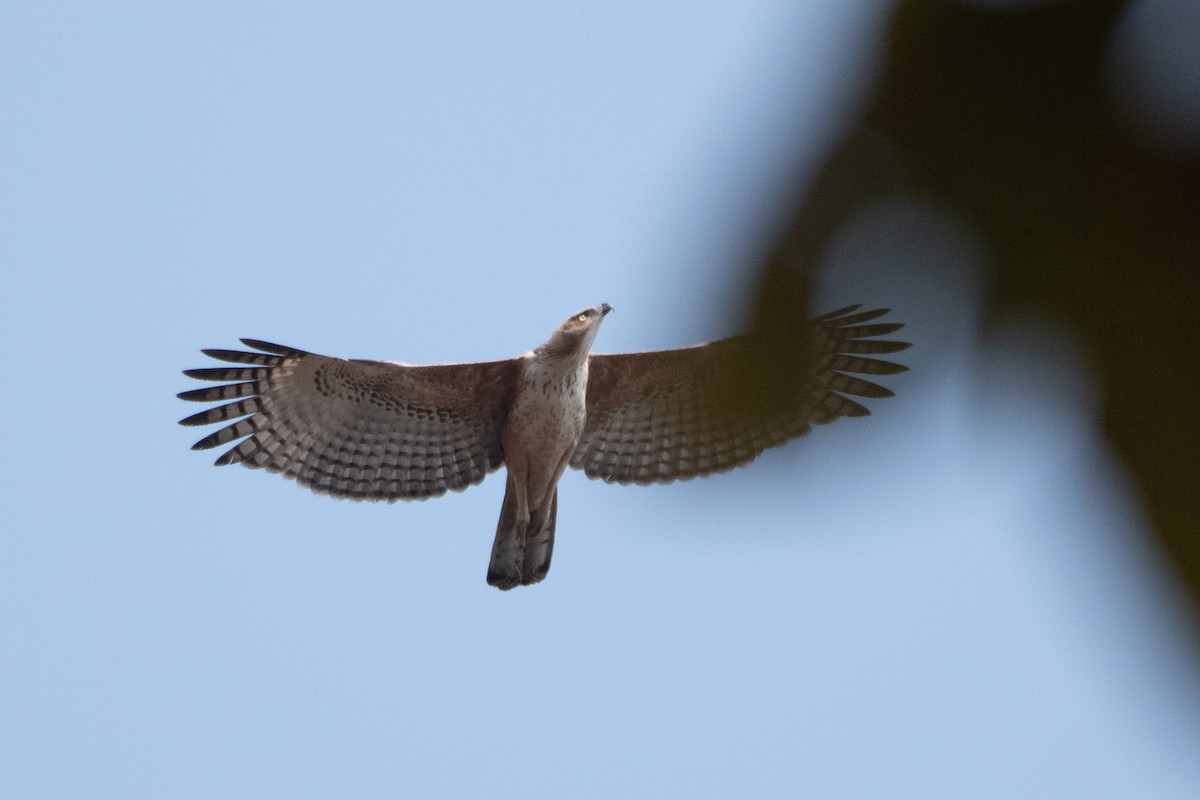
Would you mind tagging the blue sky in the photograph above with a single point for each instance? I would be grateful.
(953, 597)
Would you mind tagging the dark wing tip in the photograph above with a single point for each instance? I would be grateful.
(874, 329)
(202, 418)
(837, 313)
(270, 347)
(242, 357)
(229, 391)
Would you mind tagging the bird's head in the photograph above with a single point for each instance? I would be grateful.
(575, 336)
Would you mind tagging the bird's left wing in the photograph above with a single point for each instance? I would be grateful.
(360, 429)
(666, 415)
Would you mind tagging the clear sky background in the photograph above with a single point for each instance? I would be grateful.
(950, 598)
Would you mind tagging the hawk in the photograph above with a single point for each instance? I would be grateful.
(381, 430)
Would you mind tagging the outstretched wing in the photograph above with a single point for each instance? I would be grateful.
(661, 416)
(361, 429)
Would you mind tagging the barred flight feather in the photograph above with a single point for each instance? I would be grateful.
(630, 395)
(357, 429)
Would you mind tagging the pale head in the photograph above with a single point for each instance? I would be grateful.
(575, 336)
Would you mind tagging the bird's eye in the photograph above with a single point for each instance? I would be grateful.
(582, 317)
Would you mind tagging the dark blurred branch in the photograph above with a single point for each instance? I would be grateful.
(1004, 115)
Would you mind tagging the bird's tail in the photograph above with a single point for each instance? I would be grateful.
(520, 558)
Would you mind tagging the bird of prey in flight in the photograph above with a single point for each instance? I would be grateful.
(380, 430)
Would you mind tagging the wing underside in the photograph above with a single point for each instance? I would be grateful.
(359, 429)
(661, 416)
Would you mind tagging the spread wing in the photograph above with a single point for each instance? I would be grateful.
(661, 416)
(361, 429)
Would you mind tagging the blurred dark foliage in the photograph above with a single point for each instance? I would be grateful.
(1005, 114)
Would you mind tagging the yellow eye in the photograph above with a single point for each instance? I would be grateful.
(582, 317)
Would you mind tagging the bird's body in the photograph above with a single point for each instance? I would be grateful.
(386, 431)
(544, 424)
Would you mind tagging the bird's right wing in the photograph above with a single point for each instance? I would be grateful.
(660, 416)
(359, 429)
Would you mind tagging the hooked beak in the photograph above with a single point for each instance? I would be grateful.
(604, 308)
